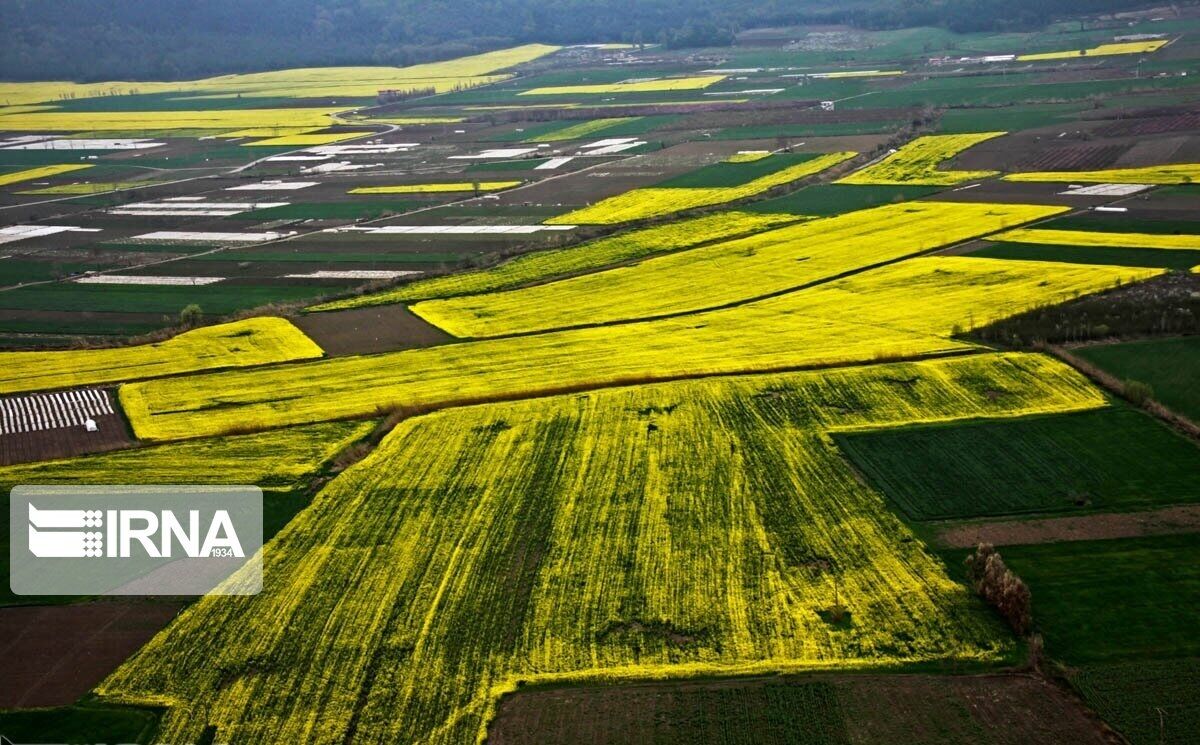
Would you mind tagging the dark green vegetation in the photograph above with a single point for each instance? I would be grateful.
(1167, 304)
(1155, 257)
(834, 199)
(219, 298)
(1099, 601)
(1169, 366)
(1009, 118)
(1151, 702)
(1109, 459)
(792, 131)
(1121, 223)
(350, 210)
(83, 724)
(130, 40)
(800, 713)
(734, 174)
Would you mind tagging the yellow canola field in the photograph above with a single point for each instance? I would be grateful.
(748, 156)
(689, 529)
(1099, 239)
(917, 162)
(437, 188)
(728, 272)
(254, 341)
(541, 265)
(279, 460)
(142, 121)
(639, 204)
(691, 83)
(906, 309)
(1184, 173)
(31, 174)
(305, 140)
(313, 82)
(1103, 50)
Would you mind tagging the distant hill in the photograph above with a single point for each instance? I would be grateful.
(173, 39)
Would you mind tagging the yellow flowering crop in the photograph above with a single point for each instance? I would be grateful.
(31, 174)
(748, 156)
(582, 129)
(279, 460)
(731, 271)
(254, 341)
(270, 132)
(905, 309)
(694, 82)
(1098, 238)
(437, 187)
(638, 204)
(89, 187)
(312, 82)
(687, 529)
(1185, 173)
(1103, 50)
(131, 121)
(541, 265)
(917, 162)
(305, 140)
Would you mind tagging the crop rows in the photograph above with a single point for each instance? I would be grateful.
(639, 204)
(447, 186)
(916, 163)
(1185, 173)
(277, 460)
(886, 312)
(30, 174)
(691, 528)
(254, 341)
(731, 271)
(689, 83)
(633, 244)
(1100, 239)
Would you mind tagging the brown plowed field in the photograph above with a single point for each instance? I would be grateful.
(54, 654)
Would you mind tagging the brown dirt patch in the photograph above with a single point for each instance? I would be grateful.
(384, 328)
(985, 709)
(65, 442)
(1178, 519)
(55, 654)
(1073, 158)
(1000, 709)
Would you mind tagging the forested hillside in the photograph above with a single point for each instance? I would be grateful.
(165, 39)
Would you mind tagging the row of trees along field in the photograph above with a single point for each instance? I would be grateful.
(169, 39)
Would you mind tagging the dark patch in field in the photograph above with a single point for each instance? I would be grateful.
(65, 442)
(382, 328)
(55, 654)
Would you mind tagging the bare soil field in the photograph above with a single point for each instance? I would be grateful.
(26, 447)
(382, 328)
(55, 654)
(999, 709)
(1166, 521)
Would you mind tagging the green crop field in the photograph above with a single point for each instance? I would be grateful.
(1150, 702)
(1181, 259)
(1112, 459)
(1167, 365)
(834, 199)
(734, 174)
(1120, 223)
(1099, 601)
(350, 210)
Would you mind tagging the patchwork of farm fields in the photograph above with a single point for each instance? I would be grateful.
(578, 503)
(629, 392)
(857, 319)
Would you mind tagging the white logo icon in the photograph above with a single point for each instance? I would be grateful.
(65, 544)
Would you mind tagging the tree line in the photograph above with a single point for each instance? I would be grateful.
(89, 40)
